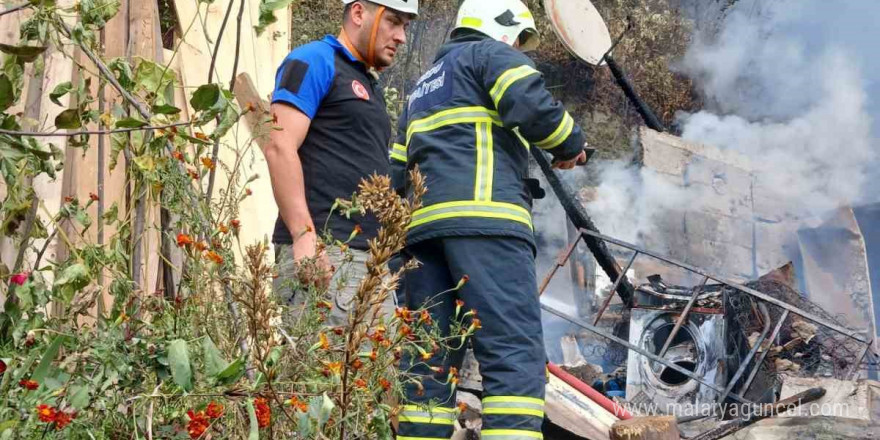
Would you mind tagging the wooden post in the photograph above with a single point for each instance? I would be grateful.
(646, 428)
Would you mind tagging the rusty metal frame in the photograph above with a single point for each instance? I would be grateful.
(788, 309)
(752, 292)
(622, 277)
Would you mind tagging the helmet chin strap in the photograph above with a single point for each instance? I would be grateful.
(374, 33)
(370, 59)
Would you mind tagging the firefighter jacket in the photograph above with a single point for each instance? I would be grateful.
(467, 126)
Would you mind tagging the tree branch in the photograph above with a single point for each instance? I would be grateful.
(92, 132)
(212, 175)
(15, 9)
(219, 39)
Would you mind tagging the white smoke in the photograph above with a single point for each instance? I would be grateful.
(630, 199)
(790, 90)
(791, 85)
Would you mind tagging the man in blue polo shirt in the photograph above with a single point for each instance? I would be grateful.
(333, 131)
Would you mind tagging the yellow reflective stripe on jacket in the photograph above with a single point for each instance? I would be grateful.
(471, 208)
(426, 420)
(461, 115)
(511, 434)
(560, 135)
(436, 409)
(507, 79)
(398, 152)
(485, 169)
(513, 405)
(431, 416)
(400, 437)
(517, 399)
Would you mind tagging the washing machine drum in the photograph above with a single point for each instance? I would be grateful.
(698, 347)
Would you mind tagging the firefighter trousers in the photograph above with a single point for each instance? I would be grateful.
(501, 287)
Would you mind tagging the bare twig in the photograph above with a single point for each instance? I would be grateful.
(212, 174)
(237, 46)
(15, 8)
(100, 178)
(219, 39)
(92, 132)
(44, 248)
(28, 229)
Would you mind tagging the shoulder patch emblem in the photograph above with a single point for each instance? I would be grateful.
(359, 90)
(294, 74)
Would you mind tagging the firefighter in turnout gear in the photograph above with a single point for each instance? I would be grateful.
(468, 126)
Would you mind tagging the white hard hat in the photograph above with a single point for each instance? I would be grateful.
(503, 20)
(405, 6)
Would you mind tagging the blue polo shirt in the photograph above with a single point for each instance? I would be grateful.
(348, 138)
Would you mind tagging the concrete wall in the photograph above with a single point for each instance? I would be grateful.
(731, 227)
(736, 227)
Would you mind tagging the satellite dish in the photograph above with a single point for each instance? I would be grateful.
(581, 28)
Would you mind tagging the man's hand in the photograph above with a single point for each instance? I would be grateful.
(305, 254)
(569, 164)
(288, 185)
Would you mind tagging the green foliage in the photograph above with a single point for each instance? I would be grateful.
(69, 118)
(60, 90)
(267, 13)
(213, 102)
(27, 54)
(178, 361)
(7, 95)
(94, 14)
(127, 361)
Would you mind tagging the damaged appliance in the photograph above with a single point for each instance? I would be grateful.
(699, 346)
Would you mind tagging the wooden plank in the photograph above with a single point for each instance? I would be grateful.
(145, 41)
(567, 408)
(248, 97)
(260, 58)
(82, 168)
(41, 111)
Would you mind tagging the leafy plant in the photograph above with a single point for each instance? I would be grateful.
(209, 354)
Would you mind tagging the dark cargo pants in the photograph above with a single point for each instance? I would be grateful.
(509, 348)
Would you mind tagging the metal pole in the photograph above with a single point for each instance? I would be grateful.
(620, 278)
(745, 387)
(683, 317)
(561, 259)
(687, 373)
(854, 370)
